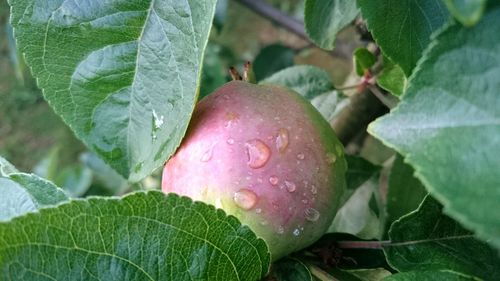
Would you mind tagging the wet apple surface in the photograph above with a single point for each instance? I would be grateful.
(265, 155)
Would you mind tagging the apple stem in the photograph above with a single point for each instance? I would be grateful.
(248, 74)
(234, 74)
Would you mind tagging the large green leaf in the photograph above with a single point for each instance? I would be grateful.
(468, 12)
(290, 269)
(325, 18)
(122, 74)
(429, 240)
(402, 28)
(448, 124)
(271, 59)
(144, 236)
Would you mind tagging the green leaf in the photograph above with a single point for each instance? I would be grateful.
(323, 19)
(447, 125)
(271, 59)
(392, 78)
(363, 60)
(312, 83)
(144, 236)
(23, 193)
(290, 269)
(429, 240)
(405, 192)
(359, 171)
(307, 80)
(467, 12)
(403, 29)
(433, 275)
(122, 74)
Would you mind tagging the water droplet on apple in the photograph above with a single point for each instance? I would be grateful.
(301, 156)
(290, 186)
(273, 180)
(245, 199)
(331, 158)
(258, 153)
(282, 140)
(230, 141)
(311, 214)
(280, 229)
(207, 155)
(314, 189)
(296, 232)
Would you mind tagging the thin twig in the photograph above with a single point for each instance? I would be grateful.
(375, 90)
(342, 49)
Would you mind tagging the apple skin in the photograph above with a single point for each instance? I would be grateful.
(265, 155)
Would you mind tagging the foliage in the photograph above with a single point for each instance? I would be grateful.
(124, 76)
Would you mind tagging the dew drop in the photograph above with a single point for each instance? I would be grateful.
(207, 155)
(273, 180)
(280, 230)
(230, 141)
(305, 201)
(245, 199)
(258, 210)
(290, 186)
(314, 189)
(296, 232)
(300, 156)
(264, 222)
(282, 140)
(311, 214)
(258, 153)
(157, 120)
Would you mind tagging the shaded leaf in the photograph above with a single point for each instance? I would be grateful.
(290, 269)
(468, 12)
(405, 192)
(122, 74)
(403, 29)
(363, 60)
(376, 274)
(271, 59)
(359, 171)
(448, 128)
(323, 19)
(220, 14)
(144, 236)
(429, 240)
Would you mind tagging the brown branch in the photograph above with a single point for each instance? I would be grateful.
(295, 26)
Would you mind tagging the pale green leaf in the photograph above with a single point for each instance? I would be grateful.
(363, 60)
(448, 124)
(402, 28)
(6, 168)
(144, 236)
(392, 78)
(468, 12)
(122, 74)
(325, 18)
